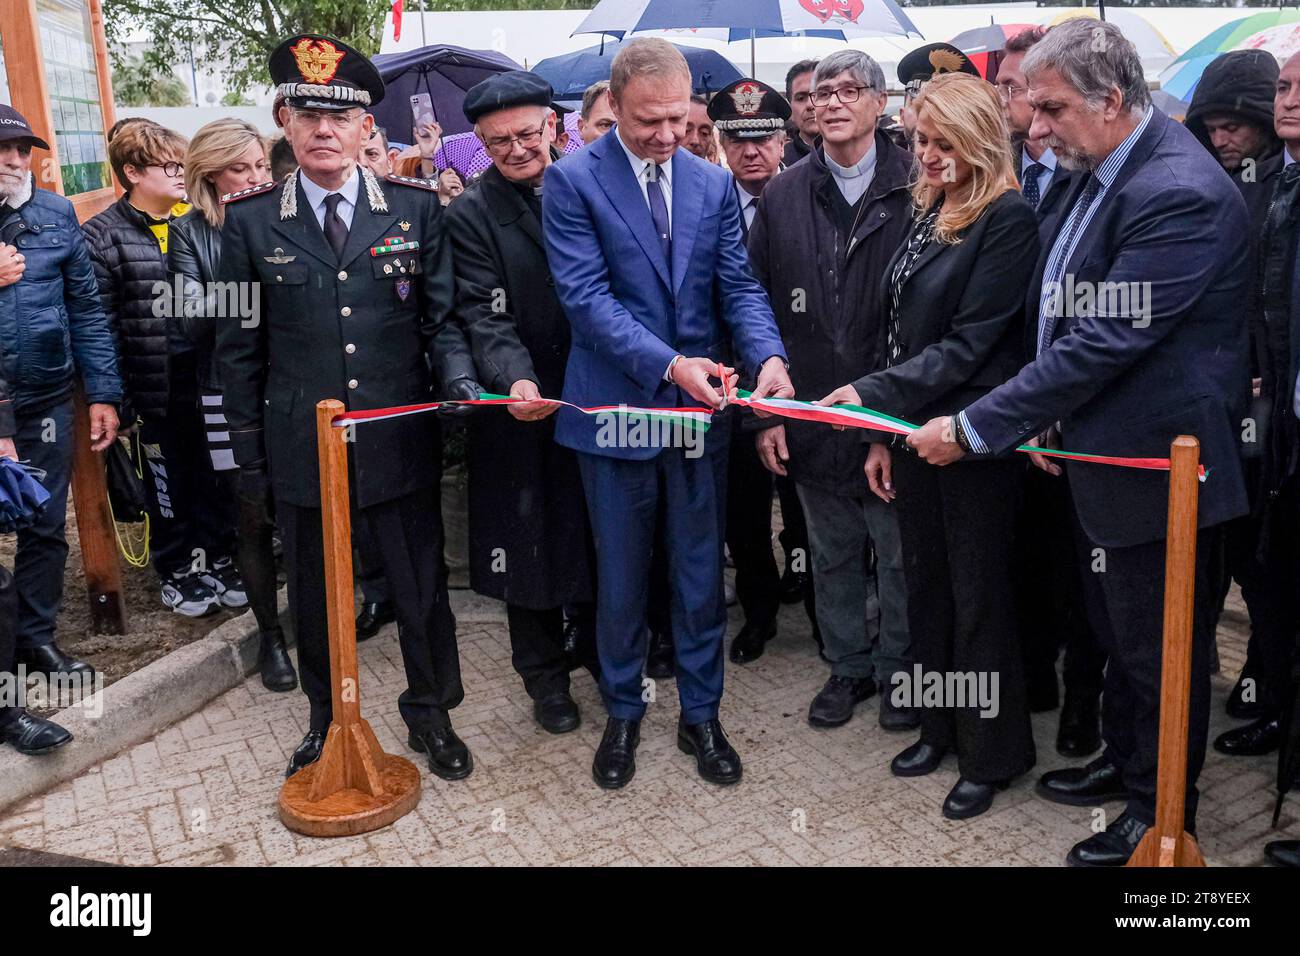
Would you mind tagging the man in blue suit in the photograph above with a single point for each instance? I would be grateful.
(1141, 337)
(644, 241)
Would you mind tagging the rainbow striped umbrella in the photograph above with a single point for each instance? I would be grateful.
(1277, 31)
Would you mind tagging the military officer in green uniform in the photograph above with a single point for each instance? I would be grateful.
(355, 289)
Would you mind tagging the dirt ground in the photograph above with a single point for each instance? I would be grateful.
(152, 629)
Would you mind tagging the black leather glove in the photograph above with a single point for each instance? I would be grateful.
(253, 491)
(460, 390)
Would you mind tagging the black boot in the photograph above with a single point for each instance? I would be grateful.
(1253, 740)
(449, 758)
(374, 615)
(47, 659)
(615, 761)
(273, 662)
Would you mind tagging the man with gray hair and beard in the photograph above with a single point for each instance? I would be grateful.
(1156, 217)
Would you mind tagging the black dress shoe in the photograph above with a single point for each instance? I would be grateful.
(715, 758)
(1262, 737)
(557, 713)
(449, 758)
(1079, 732)
(1283, 852)
(793, 586)
(892, 717)
(659, 662)
(917, 760)
(834, 703)
(1097, 782)
(749, 643)
(1111, 847)
(969, 799)
(1237, 706)
(307, 752)
(47, 659)
(32, 735)
(615, 761)
(374, 615)
(273, 662)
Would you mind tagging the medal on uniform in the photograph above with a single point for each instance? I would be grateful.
(403, 288)
(404, 225)
(394, 244)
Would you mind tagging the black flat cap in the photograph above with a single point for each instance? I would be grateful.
(749, 109)
(321, 73)
(504, 90)
(926, 62)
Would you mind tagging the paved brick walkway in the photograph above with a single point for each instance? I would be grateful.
(204, 791)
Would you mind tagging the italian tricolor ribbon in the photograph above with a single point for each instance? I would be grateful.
(849, 416)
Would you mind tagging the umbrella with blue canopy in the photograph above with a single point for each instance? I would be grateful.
(752, 19)
(444, 72)
(571, 74)
(22, 497)
(1258, 31)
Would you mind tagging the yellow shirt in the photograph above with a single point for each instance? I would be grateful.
(159, 226)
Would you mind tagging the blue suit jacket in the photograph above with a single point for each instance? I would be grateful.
(630, 310)
(1174, 220)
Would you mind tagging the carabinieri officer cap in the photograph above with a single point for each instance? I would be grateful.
(321, 73)
(749, 109)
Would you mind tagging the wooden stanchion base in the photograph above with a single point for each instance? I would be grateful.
(1152, 850)
(353, 788)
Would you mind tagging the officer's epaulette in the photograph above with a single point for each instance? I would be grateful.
(245, 193)
(430, 185)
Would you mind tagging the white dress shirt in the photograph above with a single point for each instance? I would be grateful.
(641, 169)
(316, 197)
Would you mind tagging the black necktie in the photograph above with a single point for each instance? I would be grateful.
(336, 230)
(1029, 180)
(659, 212)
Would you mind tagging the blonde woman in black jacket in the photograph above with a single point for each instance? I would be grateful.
(226, 156)
(954, 305)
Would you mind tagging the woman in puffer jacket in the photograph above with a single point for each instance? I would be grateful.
(226, 156)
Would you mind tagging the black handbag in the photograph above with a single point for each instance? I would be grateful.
(125, 480)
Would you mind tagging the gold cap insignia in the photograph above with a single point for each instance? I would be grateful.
(945, 61)
(318, 60)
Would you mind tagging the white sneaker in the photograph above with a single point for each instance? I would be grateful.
(225, 581)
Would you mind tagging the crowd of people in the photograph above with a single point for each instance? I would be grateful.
(1037, 257)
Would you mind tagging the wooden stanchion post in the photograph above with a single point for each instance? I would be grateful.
(1167, 843)
(354, 787)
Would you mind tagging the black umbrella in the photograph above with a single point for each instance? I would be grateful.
(442, 71)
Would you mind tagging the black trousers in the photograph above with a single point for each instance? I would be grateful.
(749, 531)
(956, 527)
(1127, 585)
(45, 439)
(8, 643)
(1049, 594)
(1279, 630)
(255, 554)
(408, 535)
(368, 569)
(537, 647)
(192, 517)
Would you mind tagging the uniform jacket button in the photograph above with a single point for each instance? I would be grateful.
(349, 348)
(343, 277)
(352, 383)
(345, 311)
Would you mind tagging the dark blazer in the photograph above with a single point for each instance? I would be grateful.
(827, 297)
(960, 316)
(1173, 222)
(630, 309)
(362, 328)
(525, 493)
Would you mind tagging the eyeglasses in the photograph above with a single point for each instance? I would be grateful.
(337, 119)
(912, 89)
(845, 94)
(169, 169)
(501, 145)
(1009, 91)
